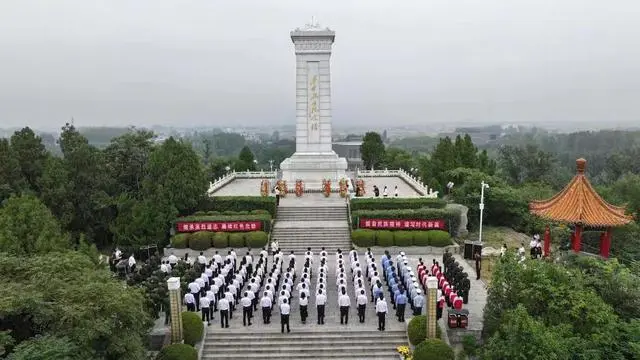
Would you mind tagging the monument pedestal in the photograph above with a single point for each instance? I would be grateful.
(312, 168)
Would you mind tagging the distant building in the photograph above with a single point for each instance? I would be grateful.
(351, 151)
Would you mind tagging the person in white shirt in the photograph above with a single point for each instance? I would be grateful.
(223, 306)
(344, 302)
(132, 263)
(173, 260)
(285, 310)
(190, 301)
(385, 192)
(212, 302)
(321, 301)
(418, 303)
(264, 253)
(229, 296)
(194, 288)
(266, 305)
(396, 191)
(283, 296)
(165, 268)
(204, 306)
(202, 260)
(361, 300)
(532, 245)
(217, 259)
(503, 250)
(381, 311)
(246, 309)
(304, 302)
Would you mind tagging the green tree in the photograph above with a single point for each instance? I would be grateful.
(67, 296)
(520, 164)
(126, 160)
(30, 152)
(246, 159)
(11, 179)
(28, 227)
(45, 348)
(56, 191)
(395, 158)
(465, 152)
(372, 150)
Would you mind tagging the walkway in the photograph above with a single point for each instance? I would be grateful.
(404, 190)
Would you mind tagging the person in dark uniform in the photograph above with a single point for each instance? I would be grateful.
(478, 259)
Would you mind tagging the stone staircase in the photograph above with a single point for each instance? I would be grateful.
(300, 225)
(300, 344)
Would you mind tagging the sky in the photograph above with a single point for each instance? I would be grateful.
(403, 62)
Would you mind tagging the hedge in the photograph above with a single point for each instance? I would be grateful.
(363, 237)
(201, 240)
(257, 239)
(220, 240)
(236, 240)
(178, 352)
(421, 238)
(238, 203)
(433, 349)
(192, 327)
(402, 238)
(384, 238)
(451, 216)
(417, 330)
(264, 218)
(396, 203)
(180, 241)
(438, 238)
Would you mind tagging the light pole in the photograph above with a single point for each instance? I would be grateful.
(271, 165)
(483, 186)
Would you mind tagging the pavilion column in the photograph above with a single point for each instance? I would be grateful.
(605, 243)
(547, 242)
(576, 239)
(175, 305)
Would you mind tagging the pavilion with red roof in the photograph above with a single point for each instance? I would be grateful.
(580, 205)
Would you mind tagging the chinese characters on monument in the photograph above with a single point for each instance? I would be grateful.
(314, 116)
(191, 226)
(402, 224)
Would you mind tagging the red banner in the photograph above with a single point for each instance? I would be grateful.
(394, 224)
(230, 226)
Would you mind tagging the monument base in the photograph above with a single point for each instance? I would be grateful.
(312, 168)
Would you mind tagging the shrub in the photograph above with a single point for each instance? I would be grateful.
(257, 239)
(201, 240)
(200, 213)
(396, 203)
(221, 240)
(439, 238)
(402, 238)
(180, 241)
(178, 352)
(259, 212)
(451, 216)
(417, 329)
(239, 203)
(363, 237)
(213, 213)
(420, 238)
(192, 327)
(433, 349)
(384, 238)
(236, 240)
(265, 219)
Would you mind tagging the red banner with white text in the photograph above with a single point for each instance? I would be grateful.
(228, 226)
(396, 224)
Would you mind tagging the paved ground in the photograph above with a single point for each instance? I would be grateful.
(332, 318)
(240, 187)
(404, 190)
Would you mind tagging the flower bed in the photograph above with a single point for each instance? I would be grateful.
(386, 238)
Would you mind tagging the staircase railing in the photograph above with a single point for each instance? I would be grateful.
(230, 176)
(414, 181)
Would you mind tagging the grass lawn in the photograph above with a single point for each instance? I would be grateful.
(495, 237)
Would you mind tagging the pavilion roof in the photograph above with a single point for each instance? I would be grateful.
(579, 203)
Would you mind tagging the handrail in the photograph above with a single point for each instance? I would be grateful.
(414, 181)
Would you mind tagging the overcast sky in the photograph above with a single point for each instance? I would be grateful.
(213, 62)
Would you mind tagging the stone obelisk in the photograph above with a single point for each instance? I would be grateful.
(314, 159)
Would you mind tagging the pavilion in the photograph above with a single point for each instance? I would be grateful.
(580, 205)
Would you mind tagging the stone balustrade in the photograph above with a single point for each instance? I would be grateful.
(414, 181)
(230, 176)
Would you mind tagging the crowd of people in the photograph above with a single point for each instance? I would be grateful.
(385, 191)
(278, 281)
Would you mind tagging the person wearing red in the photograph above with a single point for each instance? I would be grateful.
(457, 302)
(452, 296)
(440, 307)
(441, 282)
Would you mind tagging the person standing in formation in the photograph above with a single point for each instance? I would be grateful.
(321, 301)
(395, 191)
(362, 305)
(418, 303)
(223, 306)
(285, 310)
(381, 311)
(266, 305)
(204, 307)
(401, 302)
(190, 301)
(303, 301)
(385, 192)
(246, 309)
(344, 302)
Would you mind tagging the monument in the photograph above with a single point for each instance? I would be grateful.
(314, 159)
